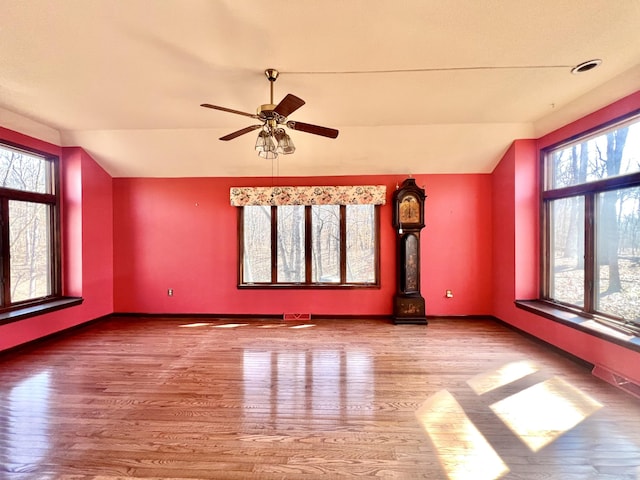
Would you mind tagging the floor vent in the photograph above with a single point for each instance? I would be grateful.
(616, 380)
(297, 316)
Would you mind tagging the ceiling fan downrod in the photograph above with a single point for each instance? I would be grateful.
(272, 75)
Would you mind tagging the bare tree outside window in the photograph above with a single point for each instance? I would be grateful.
(594, 214)
(361, 243)
(325, 244)
(333, 261)
(28, 203)
(618, 259)
(21, 171)
(291, 240)
(257, 244)
(30, 250)
(567, 263)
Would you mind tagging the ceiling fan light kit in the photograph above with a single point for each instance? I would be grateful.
(285, 144)
(272, 138)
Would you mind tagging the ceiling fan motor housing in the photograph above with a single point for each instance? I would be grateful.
(266, 112)
(265, 108)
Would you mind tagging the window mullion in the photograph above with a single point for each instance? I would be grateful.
(307, 244)
(5, 252)
(376, 216)
(545, 242)
(274, 244)
(343, 244)
(240, 234)
(56, 228)
(590, 284)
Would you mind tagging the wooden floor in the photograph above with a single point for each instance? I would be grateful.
(267, 399)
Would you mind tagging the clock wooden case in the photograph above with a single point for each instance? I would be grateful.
(408, 220)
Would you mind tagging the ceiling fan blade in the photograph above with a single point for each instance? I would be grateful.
(233, 135)
(288, 105)
(315, 129)
(229, 110)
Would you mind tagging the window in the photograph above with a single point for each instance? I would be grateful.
(591, 224)
(29, 239)
(313, 245)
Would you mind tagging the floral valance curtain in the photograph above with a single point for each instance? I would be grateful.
(332, 195)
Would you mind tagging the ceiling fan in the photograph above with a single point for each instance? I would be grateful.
(272, 138)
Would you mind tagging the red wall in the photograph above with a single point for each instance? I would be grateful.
(516, 246)
(515, 232)
(88, 246)
(503, 233)
(457, 244)
(182, 234)
(97, 235)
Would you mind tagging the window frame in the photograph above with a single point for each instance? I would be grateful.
(589, 191)
(12, 311)
(308, 283)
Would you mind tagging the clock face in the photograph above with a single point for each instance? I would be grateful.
(409, 210)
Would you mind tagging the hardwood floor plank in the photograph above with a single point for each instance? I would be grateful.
(220, 399)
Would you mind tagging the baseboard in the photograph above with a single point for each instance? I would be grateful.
(38, 342)
(307, 315)
(463, 317)
(551, 346)
(270, 316)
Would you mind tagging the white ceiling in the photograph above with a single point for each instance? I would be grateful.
(414, 86)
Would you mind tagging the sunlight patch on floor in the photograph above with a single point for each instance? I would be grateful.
(538, 415)
(464, 452)
(543, 412)
(485, 382)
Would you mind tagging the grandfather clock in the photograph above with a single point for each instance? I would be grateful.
(408, 220)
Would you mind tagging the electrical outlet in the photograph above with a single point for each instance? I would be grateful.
(170, 292)
(448, 293)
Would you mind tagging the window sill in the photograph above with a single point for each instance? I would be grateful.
(583, 324)
(34, 310)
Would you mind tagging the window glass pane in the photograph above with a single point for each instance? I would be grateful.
(608, 154)
(567, 251)
(291, 261)
(257, 244)
(325, 243)
(23, 171)
(618, 253)
(361, 244)
(30, 250)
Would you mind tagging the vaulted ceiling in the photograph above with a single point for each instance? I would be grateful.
(414, 86)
